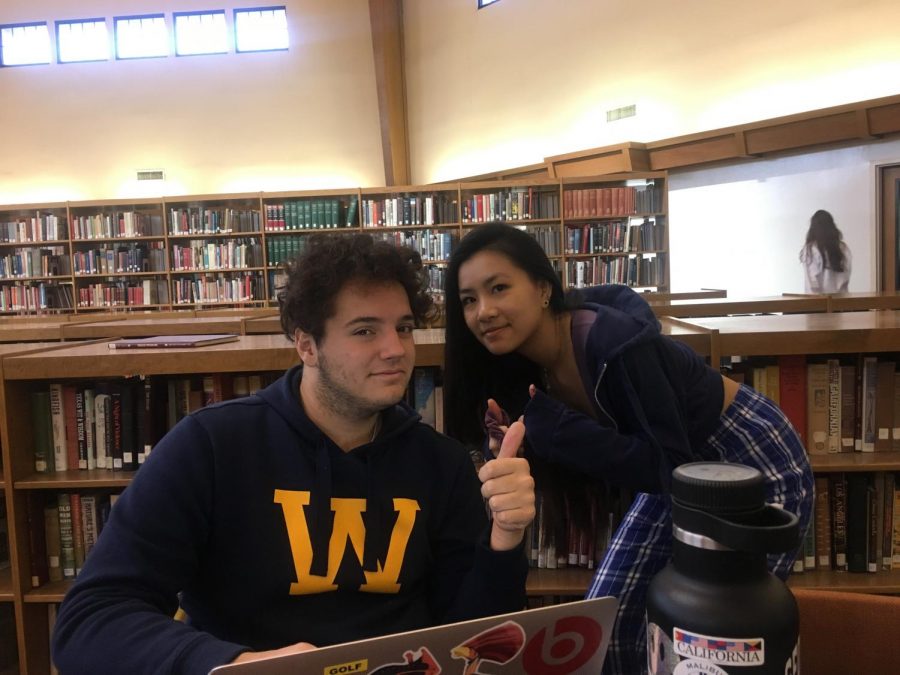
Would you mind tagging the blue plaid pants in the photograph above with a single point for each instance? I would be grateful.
(752, 431)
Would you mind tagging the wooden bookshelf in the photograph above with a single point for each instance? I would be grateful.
(564, 581)
(700, 307)
(27, 367)
(228, 250)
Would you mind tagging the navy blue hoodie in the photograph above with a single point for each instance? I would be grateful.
(655, 400)
(273, 535)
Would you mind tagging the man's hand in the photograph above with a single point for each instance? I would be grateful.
(508, 487)
(245, 657)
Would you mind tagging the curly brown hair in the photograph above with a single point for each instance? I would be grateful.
(329, 262)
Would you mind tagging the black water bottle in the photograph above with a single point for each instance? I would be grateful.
(716, 608)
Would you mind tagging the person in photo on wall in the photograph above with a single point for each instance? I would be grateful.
(320, 510)
(608, 403)
(826, 258)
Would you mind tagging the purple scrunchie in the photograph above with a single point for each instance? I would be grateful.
(492, 424)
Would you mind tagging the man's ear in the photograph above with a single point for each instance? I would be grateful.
(305, 345)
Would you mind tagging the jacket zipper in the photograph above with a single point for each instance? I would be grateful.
(597, 398)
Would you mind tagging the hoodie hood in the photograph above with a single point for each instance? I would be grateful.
(624, 319)
(284, 397)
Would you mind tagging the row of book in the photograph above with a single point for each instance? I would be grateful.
(37, 228)
(114, 424)
(512, 205)
(46, 261)
(201, 220)
(637, 270)
(132, 257)
(621, 236)
(63, 528)
(430, 244)
(124, 293)
(218, 288)
(228, 254)
(317, 213)
(409, 210)
(547, 237)
(856, 524)
(115, 225)
(847, 404)
(611, 201)
(35, 296)
(285, 248)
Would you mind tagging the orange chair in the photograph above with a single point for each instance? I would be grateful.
(848, 633)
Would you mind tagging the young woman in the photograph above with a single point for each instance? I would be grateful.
(607, 398)
(826, 258)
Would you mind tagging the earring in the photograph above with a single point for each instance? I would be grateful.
(546, 302)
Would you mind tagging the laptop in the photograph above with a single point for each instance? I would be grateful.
(569, 638)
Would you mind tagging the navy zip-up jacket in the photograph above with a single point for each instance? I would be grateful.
(273, 535)
(656, 401)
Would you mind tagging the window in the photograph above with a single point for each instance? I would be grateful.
(24, 44)
(484, 3)
(140, 37)
(82, 40)
(200, 33)
(260, 29)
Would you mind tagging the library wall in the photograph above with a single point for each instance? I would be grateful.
(306, 118)
(522, 80)
(741, 227)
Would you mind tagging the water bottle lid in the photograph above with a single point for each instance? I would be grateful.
(727, 503)
(719, 487)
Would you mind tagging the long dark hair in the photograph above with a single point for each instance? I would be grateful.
(472, 374)
(825, 236)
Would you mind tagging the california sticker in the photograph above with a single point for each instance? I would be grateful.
(721, 651)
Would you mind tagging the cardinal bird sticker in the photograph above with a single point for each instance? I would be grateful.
(420, 662)
(565, 647)
(500, 644)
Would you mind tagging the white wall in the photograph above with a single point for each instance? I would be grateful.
(306, 118)
(522, 80)
(741, 227)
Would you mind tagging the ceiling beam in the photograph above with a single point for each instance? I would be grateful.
(386, 18)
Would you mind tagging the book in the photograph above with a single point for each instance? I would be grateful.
(58, 428)
(37, 541)
(792, 392)
(884, 405)
(867, 394)
(52, 541)
(858, 522)
(43, 431)
(817, 408)
(67, 542)
(822, 523)
(163, 341)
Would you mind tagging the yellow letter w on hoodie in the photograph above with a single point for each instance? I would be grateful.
(348, 525)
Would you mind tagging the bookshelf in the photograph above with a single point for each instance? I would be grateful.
(817, 337)
(228, 250)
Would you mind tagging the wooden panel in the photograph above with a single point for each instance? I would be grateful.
(564, 581)
(615, 159)
(725, 306)
(882, 581)
(386, 17)
(804, 133)
(855, 461)
(96, 360)
(151, 326)
(700, 151)
(824, 333)
(884, 119)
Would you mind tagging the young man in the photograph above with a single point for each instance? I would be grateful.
(318, 511)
